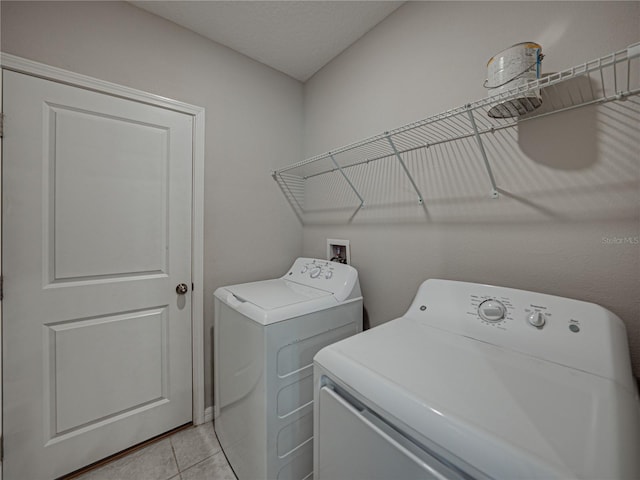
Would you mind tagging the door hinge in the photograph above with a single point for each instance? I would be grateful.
(1, 125)
(1, 297)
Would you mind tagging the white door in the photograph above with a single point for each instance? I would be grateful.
(97, 235)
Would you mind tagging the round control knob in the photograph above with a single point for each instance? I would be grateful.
(328, 274)
(315, 272)
(492, 310)
(537, 319)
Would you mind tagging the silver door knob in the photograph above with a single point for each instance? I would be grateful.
(182, 288)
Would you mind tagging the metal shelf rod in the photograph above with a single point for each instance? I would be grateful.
(286, 185)
(484, 131)
(382, 157)
(596, 101)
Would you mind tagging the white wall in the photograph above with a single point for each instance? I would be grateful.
(253, 121)
(569, 181)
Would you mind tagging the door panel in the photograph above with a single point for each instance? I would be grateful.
(96, 342)
(85, 358)
(85, 161)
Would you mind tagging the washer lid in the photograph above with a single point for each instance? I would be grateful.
(277, 293)
(508, 415)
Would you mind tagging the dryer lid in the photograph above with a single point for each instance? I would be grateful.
(277, 293)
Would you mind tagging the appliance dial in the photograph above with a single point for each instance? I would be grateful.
(537, 319)
(315, 272)
(492, 310)
(328, 274)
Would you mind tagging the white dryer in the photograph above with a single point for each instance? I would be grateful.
(265, 336)
(476, 381)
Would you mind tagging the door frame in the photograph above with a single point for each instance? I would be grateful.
(41, 70)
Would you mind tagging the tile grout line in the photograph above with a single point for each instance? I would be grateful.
(175, 457)
(180, 471)
(199, 462)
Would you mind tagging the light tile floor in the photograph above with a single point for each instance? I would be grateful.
(191, 454)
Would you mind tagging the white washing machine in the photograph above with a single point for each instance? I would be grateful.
(265, 336)
(476, 381)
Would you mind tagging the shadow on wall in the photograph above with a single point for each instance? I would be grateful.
(577, 165)
(562, 142)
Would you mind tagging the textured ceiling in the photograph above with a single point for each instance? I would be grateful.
(295, 37)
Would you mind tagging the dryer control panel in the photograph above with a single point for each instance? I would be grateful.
(576, 334)
(339, 279)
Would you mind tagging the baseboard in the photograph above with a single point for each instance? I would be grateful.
(208, 414)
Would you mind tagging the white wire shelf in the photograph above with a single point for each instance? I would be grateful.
(613, 77)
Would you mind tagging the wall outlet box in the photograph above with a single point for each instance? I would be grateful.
(338, 251)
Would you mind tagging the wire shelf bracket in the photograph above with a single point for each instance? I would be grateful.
(487, 165)
(404, 167)
(355, 190)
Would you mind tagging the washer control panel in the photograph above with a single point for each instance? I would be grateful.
(569, 332)
(318, 269)
(334, 277)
